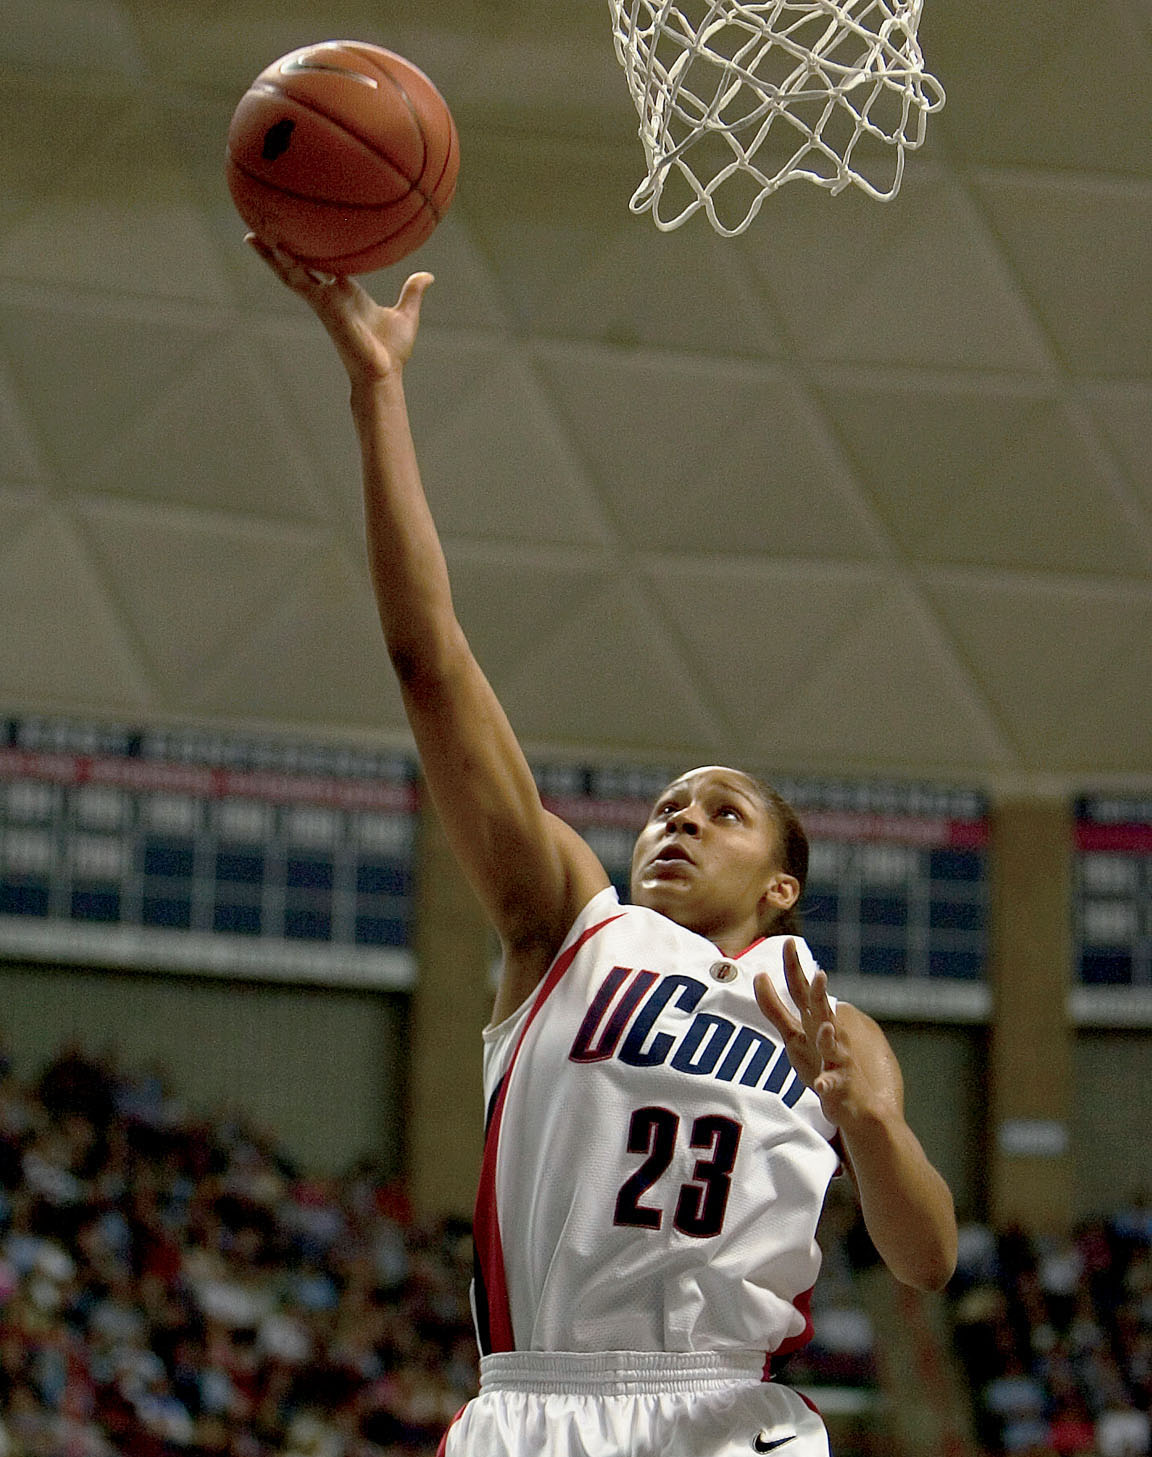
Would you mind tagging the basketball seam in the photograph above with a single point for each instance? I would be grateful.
(413, 183)
(333, 264)
(333, 201)
(408, 102)
(452, 139)
(332, 261)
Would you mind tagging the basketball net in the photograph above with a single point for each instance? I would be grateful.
(737, 99)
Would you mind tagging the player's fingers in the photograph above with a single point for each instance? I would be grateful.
(311, 283)
(794, 976)
(827, 1043)
(416, 285)
(768, 1000)
(818, 996)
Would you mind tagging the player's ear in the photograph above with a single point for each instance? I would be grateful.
(781, 893)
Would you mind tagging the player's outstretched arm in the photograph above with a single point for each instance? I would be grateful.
(844, 1057)
(533, 873)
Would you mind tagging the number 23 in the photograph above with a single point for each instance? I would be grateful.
(701, 1203)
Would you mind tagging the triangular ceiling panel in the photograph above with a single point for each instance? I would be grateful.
(1067, 664)
(20, 510)
(521, 484)
(696, 457)
(235, 453)
(81, 374)
(1056, 85)
(919, 284)
(319, 645)
(981, 476)
(613, 665)
(755, 632)
(120, 219)
(1123, 414)
(1082, 247)
(513, 605)
(64, 646)
(889, 679)
(20, 456)
(192, 587)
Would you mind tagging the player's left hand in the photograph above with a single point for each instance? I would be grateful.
(373, 341)
(839, 1053)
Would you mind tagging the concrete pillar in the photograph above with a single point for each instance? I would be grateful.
(451, 1005)
(1032, 1038)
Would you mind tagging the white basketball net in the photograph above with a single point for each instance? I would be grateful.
(746, 97)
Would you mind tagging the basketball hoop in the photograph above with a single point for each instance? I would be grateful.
(746, 97)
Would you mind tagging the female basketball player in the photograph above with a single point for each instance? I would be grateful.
(670, 1085)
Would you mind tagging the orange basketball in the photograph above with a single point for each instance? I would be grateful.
(343, 154)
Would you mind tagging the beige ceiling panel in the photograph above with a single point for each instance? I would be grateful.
(82, 38)
(695, 457)
(1082, 247)
(513, 604)
(888, 698)
(21, 509)
(551, 217)
(83, 369)
(64, 646)
(757, 631)
(1123, 414)
(497, 461)
(53, 126)
(192, 588)
(217, 440)
(121, 219)
(1056, 84)
(983, 474)
(315, 662)
(494, 460)
(613, 676)
(1068, 665)
(307, 388)
(21, 458)
(920, 282)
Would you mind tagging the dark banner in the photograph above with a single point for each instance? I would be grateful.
(1112, 907)
(191, 851)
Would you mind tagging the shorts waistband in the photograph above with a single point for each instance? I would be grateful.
(619, 1373)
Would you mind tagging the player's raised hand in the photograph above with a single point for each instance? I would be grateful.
(372, 340)
(839, 1053)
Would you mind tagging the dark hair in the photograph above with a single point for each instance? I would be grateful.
(793, 854)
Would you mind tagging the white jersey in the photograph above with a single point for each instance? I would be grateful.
(654, 1169)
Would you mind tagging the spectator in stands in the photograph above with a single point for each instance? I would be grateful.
(1059, 1333)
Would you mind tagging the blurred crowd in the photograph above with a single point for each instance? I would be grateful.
(172, 1285)
(1055, 1336)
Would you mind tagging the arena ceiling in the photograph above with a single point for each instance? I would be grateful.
(865, 491)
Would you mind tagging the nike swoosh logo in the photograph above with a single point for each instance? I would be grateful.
(760, 1445)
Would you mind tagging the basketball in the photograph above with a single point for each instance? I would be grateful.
(343, 154)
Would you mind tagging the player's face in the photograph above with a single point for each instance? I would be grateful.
(708, 858)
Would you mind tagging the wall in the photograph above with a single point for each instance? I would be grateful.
(324, 1068)
(1111, 1118)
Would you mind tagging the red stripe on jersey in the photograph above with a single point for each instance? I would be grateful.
(486, 1223)
(803, 1304)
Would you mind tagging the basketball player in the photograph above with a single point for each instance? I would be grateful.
(670, 1087)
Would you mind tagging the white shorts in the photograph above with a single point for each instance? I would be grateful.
(632, 1404)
